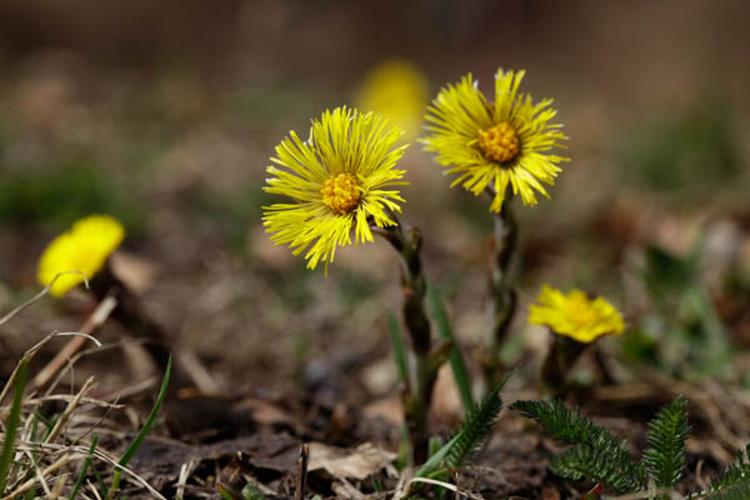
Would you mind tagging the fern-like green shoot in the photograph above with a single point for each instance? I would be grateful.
(664, 459)
(734, 482)
(474, 430)
(597, 455)
(596, 464)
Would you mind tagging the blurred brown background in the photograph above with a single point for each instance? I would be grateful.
(165, 113)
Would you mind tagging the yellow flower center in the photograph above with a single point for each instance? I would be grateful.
(499, 142)
(341, 193)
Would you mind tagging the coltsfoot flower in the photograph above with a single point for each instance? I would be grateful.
(490, 145)
(79, 253)
(575, 315)
(397, 90)
(340, 181)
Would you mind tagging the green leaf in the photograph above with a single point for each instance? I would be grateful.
(141, 436)
(399, 349)
(11, 426)
(664, 459)
(85, 468)
(460, 374)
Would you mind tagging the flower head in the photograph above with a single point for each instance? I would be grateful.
(339, 181)
(575, 315)
(398, 90)
(79, 253)
(490, 145)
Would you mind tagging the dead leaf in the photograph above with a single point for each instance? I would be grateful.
(159, 460)
(365, 460)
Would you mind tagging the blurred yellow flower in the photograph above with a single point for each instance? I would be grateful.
(490, 145)
(338, 180)
(576, 316)
(79, 252)
(397, 90)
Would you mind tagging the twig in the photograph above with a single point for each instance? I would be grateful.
(93, 339)
(63, 419)
(92, 323)
(443, 484)
(198, 373)
(136, 388)
(67, 398)
(299, 489)
(71, 363)
(186, 470)
(36, 298)
(30, 353)
(403, 483)
(39, 475)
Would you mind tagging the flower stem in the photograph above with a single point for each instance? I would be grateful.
(562, 355)
(504, 297)
(418, 398)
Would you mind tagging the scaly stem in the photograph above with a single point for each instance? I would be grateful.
(504, 296)
(418, 399)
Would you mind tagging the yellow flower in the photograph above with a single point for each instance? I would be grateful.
(79, 252)
(338, 180)
(576, 316)
(490, 145)
(398, 90)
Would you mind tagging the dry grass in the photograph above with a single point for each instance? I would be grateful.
(59, 456)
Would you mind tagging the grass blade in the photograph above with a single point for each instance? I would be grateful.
(399, 348)
(141, 436)
(460, 374)
(11, 426)
(402, 363)
(85, 468)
